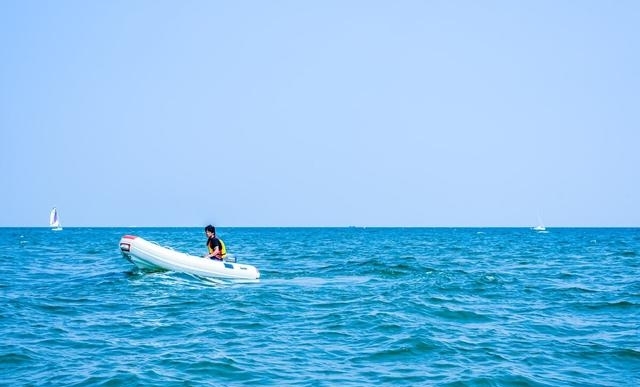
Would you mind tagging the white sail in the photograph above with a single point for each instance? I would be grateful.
(54, 220)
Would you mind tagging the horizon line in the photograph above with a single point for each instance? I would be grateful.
(312, 226)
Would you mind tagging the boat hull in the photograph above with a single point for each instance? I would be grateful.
(150, 256)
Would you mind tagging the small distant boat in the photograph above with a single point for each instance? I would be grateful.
(151, 256)
(54, 220)
(540, 227)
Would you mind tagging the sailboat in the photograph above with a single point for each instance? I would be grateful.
(540, 227)
(54, 220)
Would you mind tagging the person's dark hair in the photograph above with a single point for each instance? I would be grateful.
(210, 228)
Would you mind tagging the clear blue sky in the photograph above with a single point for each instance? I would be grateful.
(320, 113)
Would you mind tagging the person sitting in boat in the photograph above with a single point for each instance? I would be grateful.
(215, 246)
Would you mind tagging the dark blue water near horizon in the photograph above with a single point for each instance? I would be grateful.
(334, 307)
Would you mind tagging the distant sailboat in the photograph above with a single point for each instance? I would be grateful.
(54, 220)
(540, 227)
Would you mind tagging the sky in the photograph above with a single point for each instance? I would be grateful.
(320, 113)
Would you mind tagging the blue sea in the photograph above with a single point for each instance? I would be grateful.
(334, 307)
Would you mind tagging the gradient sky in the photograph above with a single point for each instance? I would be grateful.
(320, 113)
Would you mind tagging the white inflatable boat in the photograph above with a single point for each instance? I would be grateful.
(151, 256)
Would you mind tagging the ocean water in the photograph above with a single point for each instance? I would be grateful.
(334, 307)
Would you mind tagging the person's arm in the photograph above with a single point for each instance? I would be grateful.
(215, 253)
